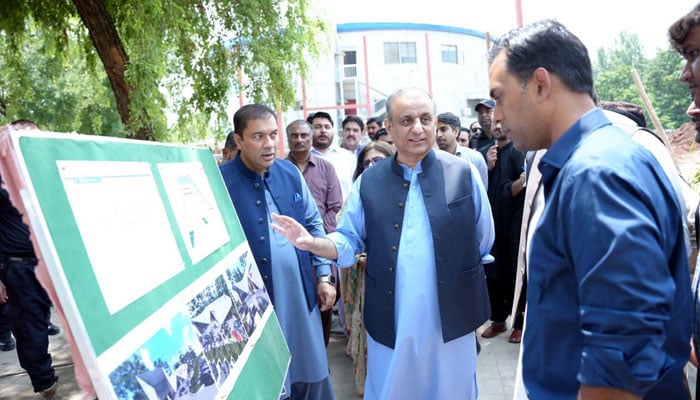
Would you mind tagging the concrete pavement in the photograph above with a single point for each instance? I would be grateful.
(495, 371)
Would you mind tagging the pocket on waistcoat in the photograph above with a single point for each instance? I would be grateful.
(457, 203)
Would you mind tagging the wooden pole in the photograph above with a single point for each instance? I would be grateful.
(652, 113)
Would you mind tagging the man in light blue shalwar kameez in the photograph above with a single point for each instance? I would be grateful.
(424, 219)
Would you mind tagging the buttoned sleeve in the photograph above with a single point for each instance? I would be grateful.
(350, 235)
(625, 288)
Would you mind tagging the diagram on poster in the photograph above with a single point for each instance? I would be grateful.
(118, 202)
(192, 200)
(205, 345)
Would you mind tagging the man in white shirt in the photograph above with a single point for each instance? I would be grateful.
(448, 126)
(343, 161)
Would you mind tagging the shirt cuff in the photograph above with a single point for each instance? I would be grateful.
(323, 269)
(346, 252)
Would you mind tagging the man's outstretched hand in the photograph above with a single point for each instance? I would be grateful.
(293, 231)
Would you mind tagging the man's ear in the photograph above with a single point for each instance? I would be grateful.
(238, 139)
(543, 82)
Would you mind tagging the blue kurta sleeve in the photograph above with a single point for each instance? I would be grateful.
(349, 236)
(484, 220)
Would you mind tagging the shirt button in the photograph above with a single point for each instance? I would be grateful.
(260, 220)
(391, 269)
(262, 239)
(258, 202)
(264, 261)
(265, 277)
(401, 205)
(256, 185)
(396, 226)
(391, 293)
(405, 185)
(393, 248)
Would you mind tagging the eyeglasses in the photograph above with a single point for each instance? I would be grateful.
(367, 163)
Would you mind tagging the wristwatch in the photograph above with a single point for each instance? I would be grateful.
(326, 278)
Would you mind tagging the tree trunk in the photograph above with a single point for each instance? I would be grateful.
(104, 36)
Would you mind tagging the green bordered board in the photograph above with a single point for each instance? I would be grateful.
(152, 268)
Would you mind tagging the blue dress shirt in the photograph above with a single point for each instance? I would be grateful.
(608, 288)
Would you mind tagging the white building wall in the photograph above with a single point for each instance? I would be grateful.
(452, 84)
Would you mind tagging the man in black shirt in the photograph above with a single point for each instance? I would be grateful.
(484, 112)
(506, 194)
(23, 301)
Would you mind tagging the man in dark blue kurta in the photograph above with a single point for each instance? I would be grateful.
(258, 185)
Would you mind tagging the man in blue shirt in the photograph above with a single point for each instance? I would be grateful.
(608, 287)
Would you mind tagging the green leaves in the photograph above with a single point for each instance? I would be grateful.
(613, 79)
(184, 62)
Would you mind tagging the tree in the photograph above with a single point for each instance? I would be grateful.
(669, 97)
(185, 55)
(53, 88)
(613, 79)
(612, 71)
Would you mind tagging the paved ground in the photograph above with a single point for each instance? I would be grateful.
(496, 370)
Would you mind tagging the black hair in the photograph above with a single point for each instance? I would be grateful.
(546, 44)
(376, 120)
(230, 143)
(248, 112)
(450, 119)
(381, 147)
(320, 114)
(355, 119)
(379, 133)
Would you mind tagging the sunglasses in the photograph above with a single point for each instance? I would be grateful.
(476, 130)
(371, 161)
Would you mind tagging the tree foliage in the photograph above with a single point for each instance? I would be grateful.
(614, 82)
(669, 97)
(53, 88)
(185, 56)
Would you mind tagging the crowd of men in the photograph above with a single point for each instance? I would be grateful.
(604, 245)
(561, 213)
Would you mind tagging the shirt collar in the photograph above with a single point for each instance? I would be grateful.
(312, 158)
(247, 171)
(560, 152)
(421, 165)
(331, 149)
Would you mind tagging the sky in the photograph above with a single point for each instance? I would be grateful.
(596, 22)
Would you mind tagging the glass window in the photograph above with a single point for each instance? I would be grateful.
(400, 53)
(449, 54)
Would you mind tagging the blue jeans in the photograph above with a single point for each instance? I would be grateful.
(26, 310)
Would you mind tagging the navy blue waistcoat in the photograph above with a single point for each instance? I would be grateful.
(247, 191)
(447, 192)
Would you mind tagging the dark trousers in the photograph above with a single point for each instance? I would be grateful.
(500, 280)
(5, 329)
(500, 297)
(26, 310)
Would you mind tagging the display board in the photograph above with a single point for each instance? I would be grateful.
(151, 267)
